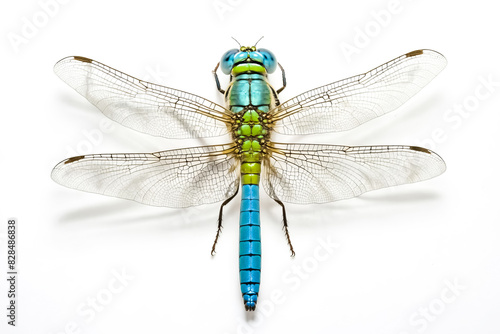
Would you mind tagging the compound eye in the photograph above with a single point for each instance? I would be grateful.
(270, 62)
(227, 61)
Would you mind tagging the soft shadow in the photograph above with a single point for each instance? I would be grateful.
(113, 214)
(423, 109)
(340, 211)
(406, 118)
(250, 316)
(402, 197)
(93, 212)
(76, 101)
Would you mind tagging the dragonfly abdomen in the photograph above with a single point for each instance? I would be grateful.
(250, 247)
(250, 250)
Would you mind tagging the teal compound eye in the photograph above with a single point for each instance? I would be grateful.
(227, 61)
(270, 62)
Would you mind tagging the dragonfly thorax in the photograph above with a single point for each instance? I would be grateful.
(251, 133)
(250, 97)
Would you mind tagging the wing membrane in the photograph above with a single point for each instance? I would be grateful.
(308, 173)
(347, 103)
(141, 105)
(175, 178)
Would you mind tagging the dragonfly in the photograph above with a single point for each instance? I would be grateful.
(288, 172)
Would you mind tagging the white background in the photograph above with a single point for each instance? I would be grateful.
(398, 250)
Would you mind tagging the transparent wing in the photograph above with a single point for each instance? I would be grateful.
(176, 178)
(345, 104)
(141, 105)
(308, 173)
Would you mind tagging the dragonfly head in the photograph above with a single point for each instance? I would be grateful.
(248, 54)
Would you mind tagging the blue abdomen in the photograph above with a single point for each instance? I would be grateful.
(250, 246)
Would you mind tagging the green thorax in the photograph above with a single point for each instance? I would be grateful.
(250, 97)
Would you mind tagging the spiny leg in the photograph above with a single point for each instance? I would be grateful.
(219, 226)
(217, 80)
(283, 77)
(285, 225)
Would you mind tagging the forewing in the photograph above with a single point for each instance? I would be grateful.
(345, 104)
(307, 173)
(175, 178)
(141, 105)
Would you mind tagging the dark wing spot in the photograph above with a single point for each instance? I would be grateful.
(83, 59)
(420, 149)
(70, 160)
(414, 53)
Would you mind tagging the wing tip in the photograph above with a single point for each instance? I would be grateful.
(437, 157)
(426, 51)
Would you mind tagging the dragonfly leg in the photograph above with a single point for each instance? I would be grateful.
(283, 77)
(219, 225)
(285, 226)
(217, 82)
